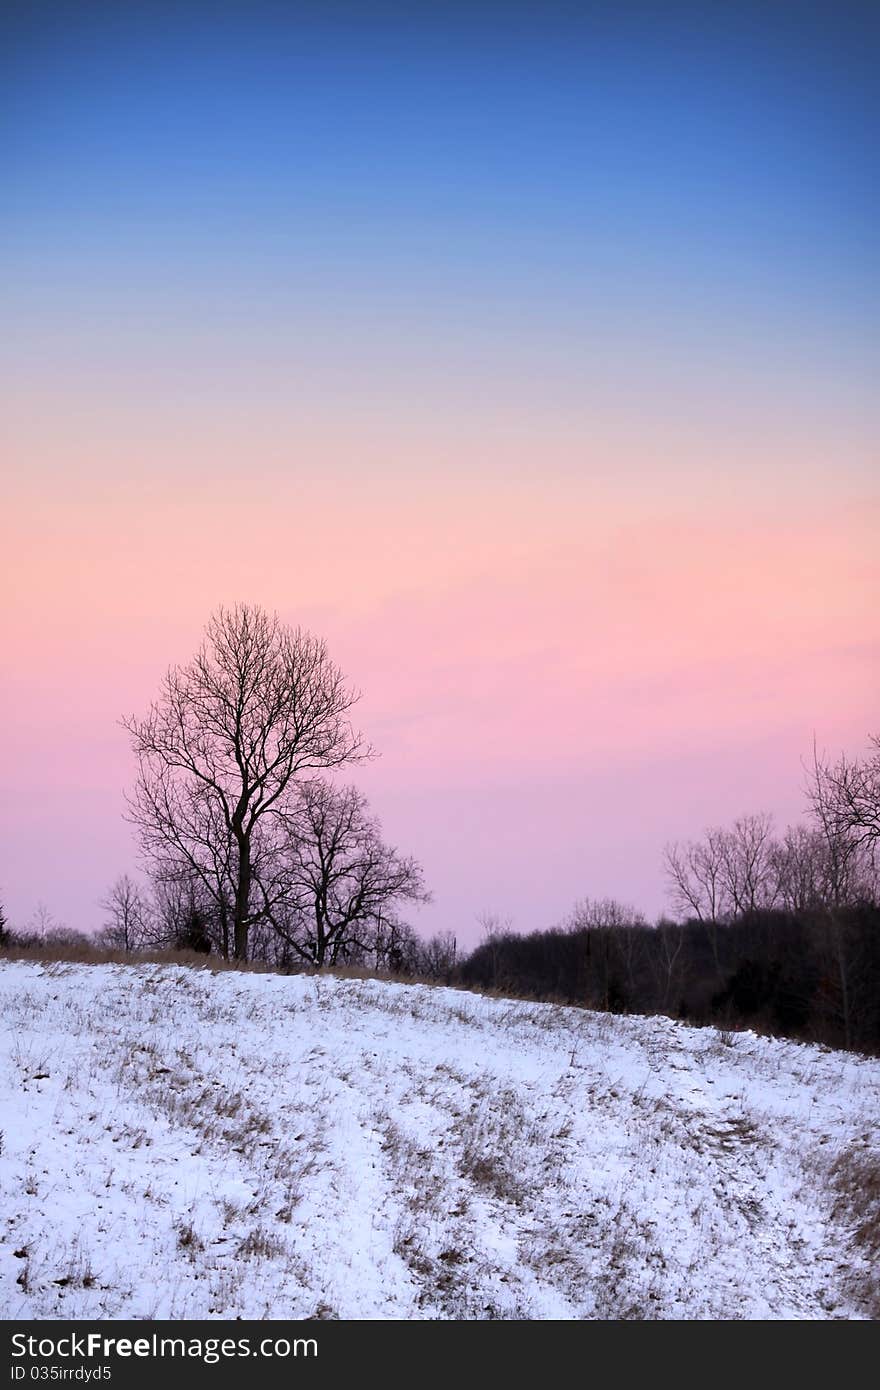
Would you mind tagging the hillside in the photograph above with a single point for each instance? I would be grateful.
(178, 1143)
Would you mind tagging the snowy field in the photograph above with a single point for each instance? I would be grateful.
(180, 1144)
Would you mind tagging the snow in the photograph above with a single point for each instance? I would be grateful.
(181, 1143)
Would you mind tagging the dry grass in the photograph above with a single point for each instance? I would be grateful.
(80, 953)
(260, 1244)
(76, 953)
(855, 1176)
(188, 1239)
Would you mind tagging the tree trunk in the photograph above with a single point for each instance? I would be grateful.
(242, 899)
(224, 926)
(320, 938)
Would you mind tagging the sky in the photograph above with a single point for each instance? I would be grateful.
(527, 354)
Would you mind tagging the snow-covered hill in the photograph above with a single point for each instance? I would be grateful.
(178, 1143)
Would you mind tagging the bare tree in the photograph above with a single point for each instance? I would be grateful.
(844, 845)
(695, 870)
(128, 922)
(725, 874)
(436, 958)
(44, 929)
(670, 940)
(494, 925)
(596, 914)
(43, 925)
(394, 946)
(845, 796)
(816, 868)
(611, 931)
(192, 855)
(698, 874)
(259, 705)
(334, 885)
(844, 799)
(495, 928)
(747, 857)
(174, 898)
(799, 869)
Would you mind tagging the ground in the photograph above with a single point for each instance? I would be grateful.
(181, 1143)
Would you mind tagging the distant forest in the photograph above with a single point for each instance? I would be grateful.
(813, 975)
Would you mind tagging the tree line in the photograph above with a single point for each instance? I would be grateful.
(254, 847)
(780, 932)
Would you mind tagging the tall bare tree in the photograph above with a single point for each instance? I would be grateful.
(336, 886)
(260, 704)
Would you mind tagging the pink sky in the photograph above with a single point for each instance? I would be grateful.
(561, 669)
